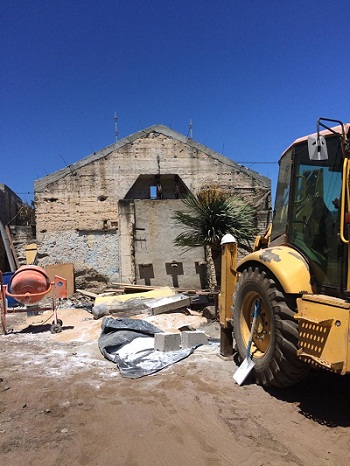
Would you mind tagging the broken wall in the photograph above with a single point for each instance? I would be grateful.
(21, 237)
(10, 205)
(77, 212)
(147, 234)
(90, 249)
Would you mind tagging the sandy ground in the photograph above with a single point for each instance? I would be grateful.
(62, 403)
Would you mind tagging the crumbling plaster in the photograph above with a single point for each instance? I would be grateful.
(77, 207)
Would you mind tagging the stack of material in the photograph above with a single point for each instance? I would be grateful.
(154, 302)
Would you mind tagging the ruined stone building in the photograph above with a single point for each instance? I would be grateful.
(16, 227)
(112, 211)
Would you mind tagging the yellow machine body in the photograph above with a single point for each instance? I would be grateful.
(298, 275)
(324, 330)
(324, 321)
(228, 282)
(286, 264)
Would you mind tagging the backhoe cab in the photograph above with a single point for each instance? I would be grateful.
(299, 270)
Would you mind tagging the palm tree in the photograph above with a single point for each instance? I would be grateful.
(209, 216)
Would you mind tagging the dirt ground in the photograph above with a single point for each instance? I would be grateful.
(62, 403)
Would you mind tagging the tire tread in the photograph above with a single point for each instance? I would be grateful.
(279, 367)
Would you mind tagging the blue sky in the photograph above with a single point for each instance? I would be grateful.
(252, 75)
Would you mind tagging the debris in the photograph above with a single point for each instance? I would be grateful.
(100, 310)
(202, 299)
(77, 301)
(177, 321)
(130, 344)
(168, 304)
(131, 286)
(184, 328)
(87, 293)
(87, 277)
(117, 299)
(140, 303)
(210, 312)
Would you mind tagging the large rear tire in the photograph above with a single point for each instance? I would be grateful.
(275, 339)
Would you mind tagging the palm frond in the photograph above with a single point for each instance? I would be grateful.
(210, 215)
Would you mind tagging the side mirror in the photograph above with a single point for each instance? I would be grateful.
(317, 147)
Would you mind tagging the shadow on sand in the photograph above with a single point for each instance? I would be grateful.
(322, 397)
(41, 328)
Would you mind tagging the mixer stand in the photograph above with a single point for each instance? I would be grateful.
(59, 288)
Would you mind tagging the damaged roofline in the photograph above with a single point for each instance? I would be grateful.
(41, 183)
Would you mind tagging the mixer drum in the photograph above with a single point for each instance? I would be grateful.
(29, 284)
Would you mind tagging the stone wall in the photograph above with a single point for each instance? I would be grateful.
(86, 196)
(10, 205)
(98, 250)
(22, 236)
(147, 234)
(77, 213)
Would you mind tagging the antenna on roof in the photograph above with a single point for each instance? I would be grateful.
(116, 126)
(190, 129)
(65, 163)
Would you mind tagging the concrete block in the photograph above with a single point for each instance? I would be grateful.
(167, 341)
(170, 303)
(195, 338)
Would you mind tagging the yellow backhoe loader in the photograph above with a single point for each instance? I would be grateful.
(299, 271)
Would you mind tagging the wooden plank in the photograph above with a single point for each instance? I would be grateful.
(31, 253)
(131, 286)
(138, 287)
(87, 293)
(7, 246)
(14, 255)
(62, 270)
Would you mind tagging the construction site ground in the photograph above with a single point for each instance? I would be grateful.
(62, 403)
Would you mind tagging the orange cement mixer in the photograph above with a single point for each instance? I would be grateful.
(28, 285)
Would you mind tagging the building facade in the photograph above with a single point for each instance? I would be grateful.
(112, 210)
